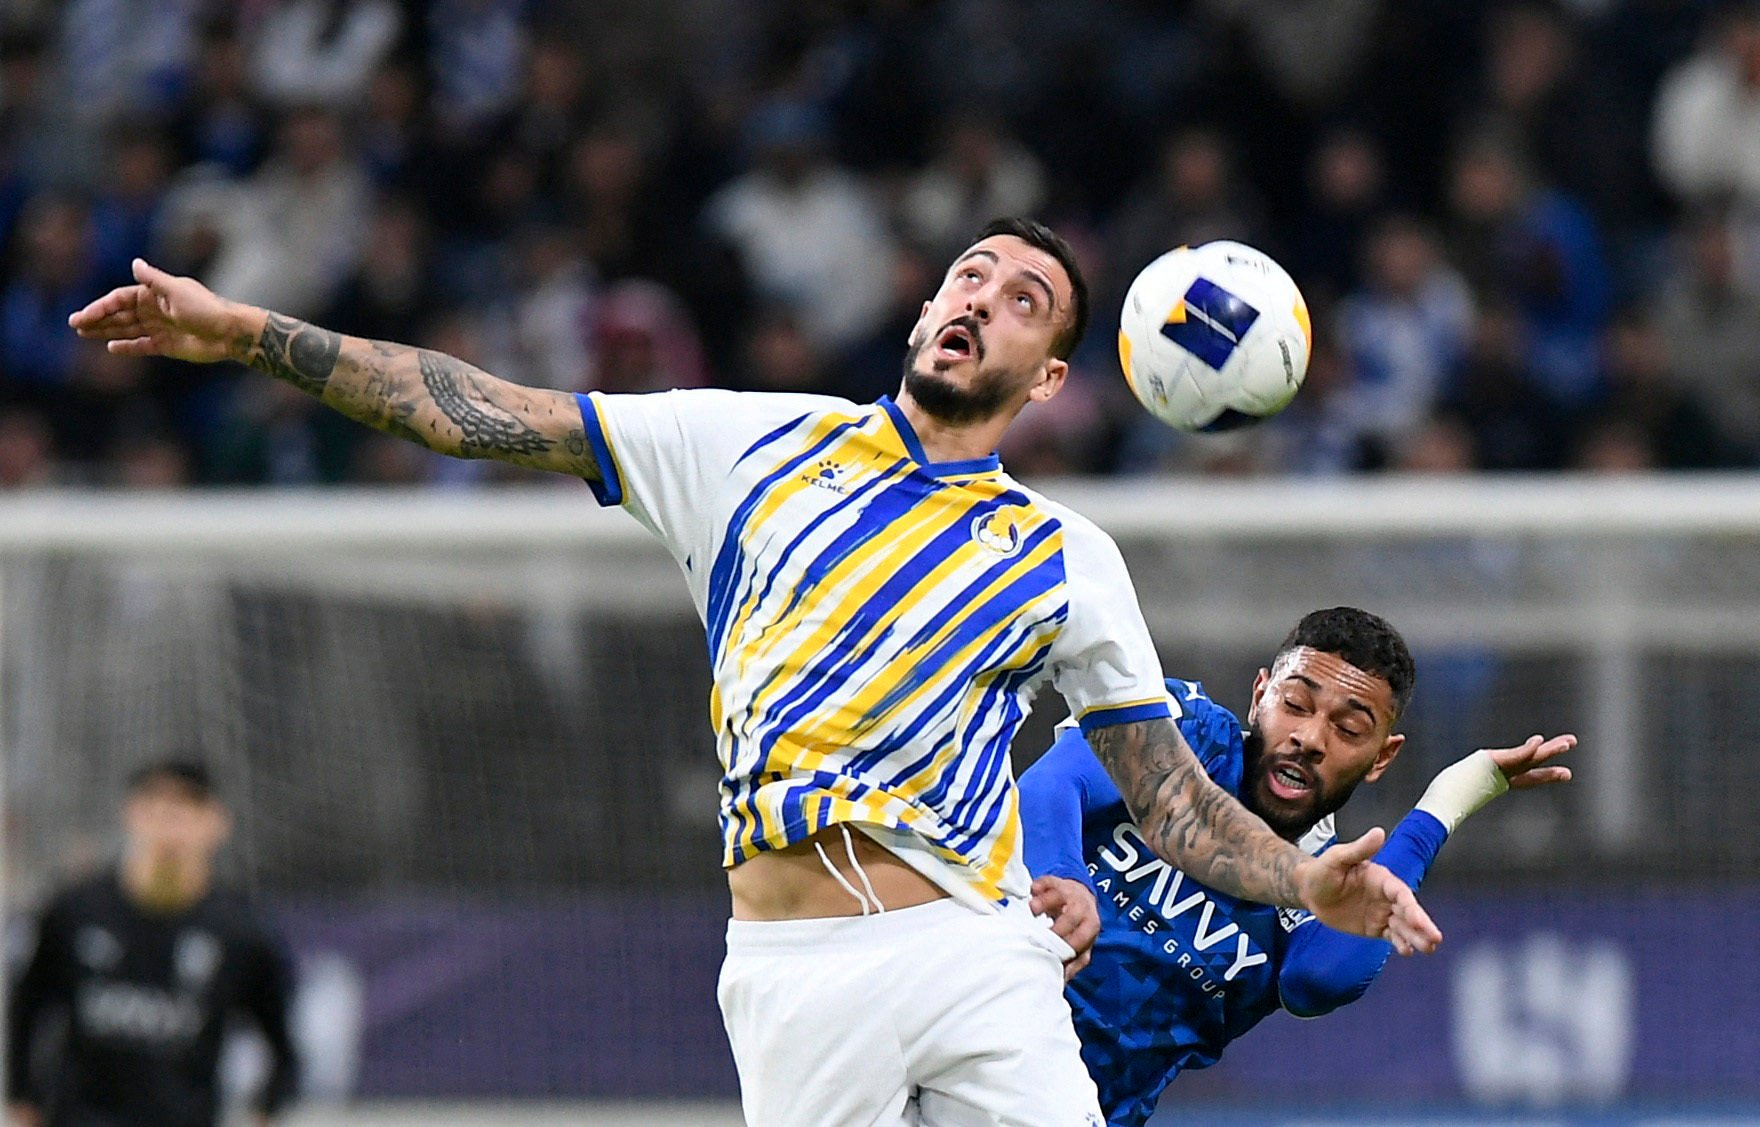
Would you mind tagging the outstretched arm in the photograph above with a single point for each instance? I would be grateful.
(426, 397)
(1325, 969)
(1199, 828)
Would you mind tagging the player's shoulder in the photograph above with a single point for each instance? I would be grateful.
(725, 402)
(1211, 730)
(1082, 538)
(85, 897)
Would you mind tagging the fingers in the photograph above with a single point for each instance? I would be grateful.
(1409, 926)
(1533, 752)
(1351, 853)
(1539, 777)
(133, 346)
(149, 275)
(117, 302)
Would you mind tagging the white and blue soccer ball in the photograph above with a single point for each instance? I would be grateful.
(1214, 337)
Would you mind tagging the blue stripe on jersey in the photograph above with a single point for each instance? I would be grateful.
(608, 490)
(771, 437)
(727, 561)
(948, 697)
(788, 552)
(827, 673)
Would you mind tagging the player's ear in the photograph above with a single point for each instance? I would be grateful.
(1050, 381)
(1259, 684)
(1384, 758)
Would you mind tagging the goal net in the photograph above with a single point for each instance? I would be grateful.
(465, 739)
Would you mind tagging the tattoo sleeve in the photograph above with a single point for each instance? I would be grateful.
(427, 397)
(1190, 821)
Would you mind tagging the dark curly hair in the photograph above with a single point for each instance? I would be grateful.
(1366, 640)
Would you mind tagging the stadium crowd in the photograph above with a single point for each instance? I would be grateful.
(1529, 232)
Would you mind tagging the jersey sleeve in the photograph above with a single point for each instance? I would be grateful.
(1057, 794)
(1324, 969)
(1104, 662)
(662, 455)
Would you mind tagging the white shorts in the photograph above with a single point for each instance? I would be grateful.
(936, 1016)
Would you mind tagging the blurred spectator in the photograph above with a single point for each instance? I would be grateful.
(153, 461)
(1614, 444)
(1677, 428)
(1710, 326)
(122, 56)
(1402, 335)
(476, 54)
(1057, 438)
(1442, 444)
(1190, 197)
(1347, 194)
(1309, 48)
(27, 450)
(875, 366)
(644, 340)
(553, 108)
(1706, 129)
(1315, 434)
(811, 234)
(553, 309)
(323, 52)
(57, 267)
(220, 123)
(781, 356)
(389, 129)
(979, 173)
(390, 293)
(1514, 426)
(1517, 237)
(126, 212)
(291, 234)
(1578, 120)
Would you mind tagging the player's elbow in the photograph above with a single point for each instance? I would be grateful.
(1312, 993)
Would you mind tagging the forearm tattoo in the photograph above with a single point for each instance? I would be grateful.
(1191, 822)
(426, 397)
(486, 430)
(303, 355)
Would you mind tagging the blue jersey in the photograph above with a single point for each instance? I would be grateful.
(1180, 969)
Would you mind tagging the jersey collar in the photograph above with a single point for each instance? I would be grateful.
(914, 447)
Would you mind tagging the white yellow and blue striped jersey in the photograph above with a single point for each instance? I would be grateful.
(877, 623)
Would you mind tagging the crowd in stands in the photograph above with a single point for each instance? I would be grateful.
(1529, 232)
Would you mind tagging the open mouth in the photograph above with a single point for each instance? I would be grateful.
(1289, 782)
(955, 343)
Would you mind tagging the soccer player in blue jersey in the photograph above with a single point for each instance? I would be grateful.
(881, 601)
(1180, 969)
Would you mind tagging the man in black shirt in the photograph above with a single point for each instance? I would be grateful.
(147, 962)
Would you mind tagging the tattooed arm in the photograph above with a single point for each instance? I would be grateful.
(1199, 828)
(426, 397)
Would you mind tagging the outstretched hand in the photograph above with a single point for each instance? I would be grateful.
(164, 315)
(1526, 766)
(1348, 892)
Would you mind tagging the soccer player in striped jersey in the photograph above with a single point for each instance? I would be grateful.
(881, 602)
(1181, 969)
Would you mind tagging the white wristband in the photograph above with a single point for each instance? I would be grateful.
(1461, 789)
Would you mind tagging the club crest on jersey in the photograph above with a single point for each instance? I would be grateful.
(999, 532)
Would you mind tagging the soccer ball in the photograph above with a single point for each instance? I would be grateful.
(1214, 337)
